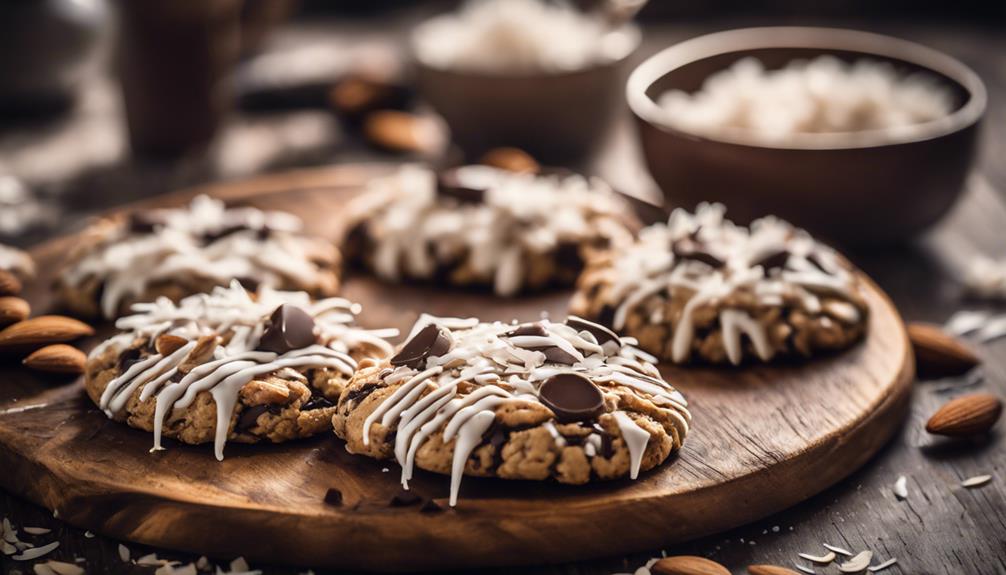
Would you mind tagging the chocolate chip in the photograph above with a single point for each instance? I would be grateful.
(556, 354)
(250, 284)
(128, 358)
(404, 499)
(359, 394)
(535, 329)
(249, 417)
(772, 260)
(430, 341)
(290, 327)
(571, 397)
(688, 249)
(449, 185)
(430, 506)
(144, 222)
(333, 497)
(316, 402)
(602, 334)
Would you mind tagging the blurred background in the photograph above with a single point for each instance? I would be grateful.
(105, 101)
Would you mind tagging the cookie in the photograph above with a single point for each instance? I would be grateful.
(231, 365)
(479, 226)
(702, 288)
(173, 253)
(566, 401)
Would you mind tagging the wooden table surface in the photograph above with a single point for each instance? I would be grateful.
(940, 529)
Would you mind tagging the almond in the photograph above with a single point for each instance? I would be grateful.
(403, 132)
(9, 283)
(167, 344)
(511, 159)
(770, 570)
(13, 309)
(688, 565)
(938, 354)
(966, 415)
(42, 330)
(57, 358)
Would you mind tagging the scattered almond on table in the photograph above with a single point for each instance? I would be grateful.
(938, 354)
(688, 565)
(967, 415)
(57, 358)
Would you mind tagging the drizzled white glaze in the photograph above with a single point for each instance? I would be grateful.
(650, 267)
(414, 229)
(230, 313)
(507, 370)
(17, 261)
(266, 248)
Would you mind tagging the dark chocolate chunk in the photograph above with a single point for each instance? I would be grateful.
(128, 358)
(316, 402)
(535, 329)
(289, 328)
(772, 260)
(430, 506)
(144, 222)
(571, 397)
(430, 341)
(249, 417)
(602, 334)
(556, 354)
(250, 284)
(359, 394)
(404, 499)
(687, 249)
(333, 497)
(449, 185)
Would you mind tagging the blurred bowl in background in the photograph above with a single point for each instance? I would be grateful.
(866, 188)
(558, 117)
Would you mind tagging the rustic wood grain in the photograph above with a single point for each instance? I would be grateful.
(940, 530)
(764, 438)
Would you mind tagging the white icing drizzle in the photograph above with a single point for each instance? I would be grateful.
(508, 370)
(649, 267)
(414, 229)
(265, 247)
(227, 312)
(635, 438)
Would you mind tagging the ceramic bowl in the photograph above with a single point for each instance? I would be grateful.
(558, 117)
(866, 188)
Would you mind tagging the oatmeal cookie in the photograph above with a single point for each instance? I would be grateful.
(231, 365)
(703, 288)
(174, 253)
(566, 401)
(486, 227)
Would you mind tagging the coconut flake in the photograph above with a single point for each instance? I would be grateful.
(63, 568)
(838, 550)
(901, 488)
(36, 552)
(884, 565)
(123, 553)
(804, 569)
(36, 530)
(822, 559)
(43, 569)
(976, 481)
(857, 564)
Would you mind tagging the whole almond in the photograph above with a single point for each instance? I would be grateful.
(9, 283)
(938, 354)
(57, 358)
(403, 132)
(967, 415)
(688, 565)
(42, 330)
(13, 309)
(511, 159)
(167, 344)
(770, 570)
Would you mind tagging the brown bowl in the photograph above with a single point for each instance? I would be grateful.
(871, 187)
(558, 117)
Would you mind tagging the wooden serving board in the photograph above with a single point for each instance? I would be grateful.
(764, 438)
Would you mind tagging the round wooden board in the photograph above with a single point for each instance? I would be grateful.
(764, 438)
